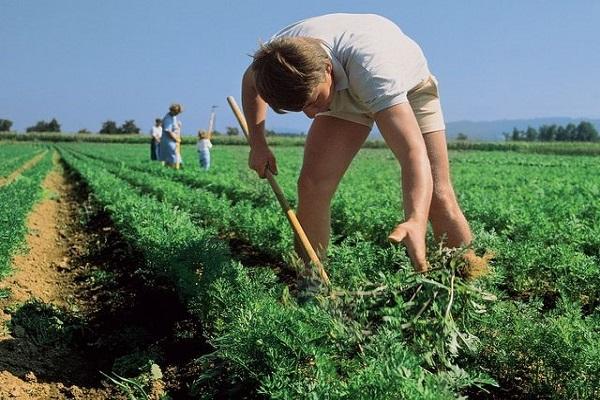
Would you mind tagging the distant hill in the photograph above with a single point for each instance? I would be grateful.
(492, 130)
(481, 130)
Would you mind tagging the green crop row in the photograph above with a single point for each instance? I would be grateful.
(559, 148)
(536, 212)
(266, 230)
(225, 178)
(64, 137)
(363, 344)
(13, 156)
(16, 200)
(353, 211)
(543, 216)
(10, 150)
(564, 148)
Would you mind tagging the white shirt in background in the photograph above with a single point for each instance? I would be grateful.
(204, 144)
(156, 132)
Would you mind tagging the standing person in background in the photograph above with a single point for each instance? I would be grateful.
(156, 133)
(204, 145)
(170, 136)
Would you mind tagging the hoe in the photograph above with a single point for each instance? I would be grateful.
(289, 213)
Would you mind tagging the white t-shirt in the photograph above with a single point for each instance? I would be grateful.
(156, 132)
(204, 144)
(373, 60)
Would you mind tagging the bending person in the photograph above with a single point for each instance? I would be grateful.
(347, 72)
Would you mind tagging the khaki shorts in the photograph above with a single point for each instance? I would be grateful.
(423, 98)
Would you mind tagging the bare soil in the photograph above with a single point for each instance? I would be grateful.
(81, 303)
(30, 369)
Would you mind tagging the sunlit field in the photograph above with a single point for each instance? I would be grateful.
(218, 240)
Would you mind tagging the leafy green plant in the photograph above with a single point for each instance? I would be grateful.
(382, 331)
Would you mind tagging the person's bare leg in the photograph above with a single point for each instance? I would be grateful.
(446, 217)
(330, 146)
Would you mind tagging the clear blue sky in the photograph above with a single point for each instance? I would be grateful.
(85, 62)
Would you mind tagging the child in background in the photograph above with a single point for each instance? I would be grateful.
(204, 145)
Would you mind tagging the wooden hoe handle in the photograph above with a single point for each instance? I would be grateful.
(289, 213)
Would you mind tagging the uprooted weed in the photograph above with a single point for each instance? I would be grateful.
(406, 329)
(432, 310)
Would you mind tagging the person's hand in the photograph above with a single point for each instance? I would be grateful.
(261, 158)
(412, 234)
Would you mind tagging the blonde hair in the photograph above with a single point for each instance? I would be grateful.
(176, 107)
(202, 134)
(287, 70)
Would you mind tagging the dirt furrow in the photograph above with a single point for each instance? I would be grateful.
(36, 362)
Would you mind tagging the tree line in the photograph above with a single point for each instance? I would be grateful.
(582, 132)
(108, 127)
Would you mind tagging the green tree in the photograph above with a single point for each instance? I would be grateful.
(129, 127)
(586, 132)
(232, 131)
(462, 137)
(53, 126)
(43, 126)
(531, 134)
(5, 125)
(552, 130)
(109, 127)
(547, 133)
(570, 132)
(516, 134)
(561, 134)
(39, 127)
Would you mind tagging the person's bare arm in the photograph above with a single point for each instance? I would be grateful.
(255, 111)
(172, 133)
(175, 134)
(402, 134)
